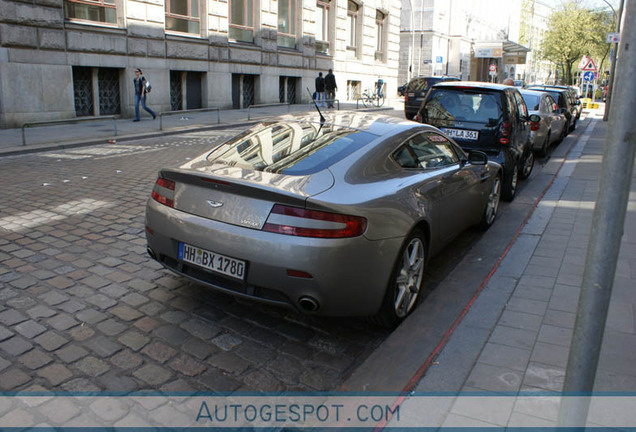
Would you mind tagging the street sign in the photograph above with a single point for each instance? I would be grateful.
(493, 68)
(588, 76)
(583, 61)
(613, 38)
(439, 59)
(590, 66)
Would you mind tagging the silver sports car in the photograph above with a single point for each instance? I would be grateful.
(334, 217)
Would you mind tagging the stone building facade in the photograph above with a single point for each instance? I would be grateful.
(65, 58)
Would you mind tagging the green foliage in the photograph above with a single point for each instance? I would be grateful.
(574, 32)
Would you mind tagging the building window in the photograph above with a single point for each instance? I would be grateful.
(183, 16)
(287, 23)
(242, 20)
(323, 25)
(353, 12)
(103, 11)
(380, 35)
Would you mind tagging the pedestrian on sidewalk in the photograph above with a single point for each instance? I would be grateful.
(320, 90)
(141, 88)
(330, 87)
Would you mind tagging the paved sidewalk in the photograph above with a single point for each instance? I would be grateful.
(73, 134)
(517, 334)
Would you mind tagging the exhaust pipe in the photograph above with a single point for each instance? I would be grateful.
(151, 253)
(309, 304)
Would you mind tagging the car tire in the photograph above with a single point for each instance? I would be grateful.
(492, 205)
(544, 147)
(527, 164)
(510, 182)
(405, 283)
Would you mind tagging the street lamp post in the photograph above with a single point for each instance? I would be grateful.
(610, 84)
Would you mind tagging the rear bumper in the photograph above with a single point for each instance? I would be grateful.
(348, 276)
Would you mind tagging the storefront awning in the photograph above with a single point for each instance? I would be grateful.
(511, 52)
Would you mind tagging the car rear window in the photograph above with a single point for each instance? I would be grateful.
(445, 105)
(290, 148)
(532, 101)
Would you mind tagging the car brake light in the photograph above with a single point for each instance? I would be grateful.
(163, 192)
(313, 223)
(534, 126)
(505, 129)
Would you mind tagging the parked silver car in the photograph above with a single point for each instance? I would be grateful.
(333, 218)
(552, 127)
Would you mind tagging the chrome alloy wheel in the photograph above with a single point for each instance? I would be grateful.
(492, 207)
(409, 278)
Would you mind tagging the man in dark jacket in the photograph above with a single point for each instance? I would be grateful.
(320, 90)
(330, 87)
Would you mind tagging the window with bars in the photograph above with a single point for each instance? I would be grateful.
(323, 26)
(242, 20)
(353, 12)
(183, 16)
(380, 35)
(102, 11)
(287, 23)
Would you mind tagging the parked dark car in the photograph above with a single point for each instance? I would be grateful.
(416, 92)
(492, 118)
(566, 101)
(402, 89)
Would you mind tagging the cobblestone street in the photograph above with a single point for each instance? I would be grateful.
(83, 308)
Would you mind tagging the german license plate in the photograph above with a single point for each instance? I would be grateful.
(212, 261)
(462, 134)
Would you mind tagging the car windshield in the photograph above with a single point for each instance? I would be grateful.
(532, 101)
(290, 148)
(449, 105)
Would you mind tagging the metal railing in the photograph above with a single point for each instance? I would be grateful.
(266, 106)
(67, 121)
(166, 113)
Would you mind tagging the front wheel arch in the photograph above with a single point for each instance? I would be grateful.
(405, 283)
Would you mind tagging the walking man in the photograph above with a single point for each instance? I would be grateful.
(320, 90)
(140, 84)
(330, 87)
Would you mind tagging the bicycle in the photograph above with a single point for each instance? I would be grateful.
(372, 99)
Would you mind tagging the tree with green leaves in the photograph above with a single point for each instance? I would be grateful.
(574, 32)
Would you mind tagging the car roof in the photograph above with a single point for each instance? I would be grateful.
(533, 92)
(546, 87)
(474, 84)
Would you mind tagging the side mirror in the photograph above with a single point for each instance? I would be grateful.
(477, 157)
(534, 118)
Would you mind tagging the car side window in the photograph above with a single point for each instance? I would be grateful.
(427, 150)
(521, 106)
(512, 107)
(549, 104)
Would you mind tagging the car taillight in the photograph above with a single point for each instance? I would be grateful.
(163, 192)
(534, 126)
(313, 223)
(505, 132)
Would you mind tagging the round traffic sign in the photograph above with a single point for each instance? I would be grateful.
(493, 68)
(588, 76)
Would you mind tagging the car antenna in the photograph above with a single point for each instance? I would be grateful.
(322, 118)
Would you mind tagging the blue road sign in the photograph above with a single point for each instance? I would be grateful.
(588, 76)
(439, 59)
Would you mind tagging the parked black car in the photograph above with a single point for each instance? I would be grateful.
(416, 91)
(492, 118)
(566, 100)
